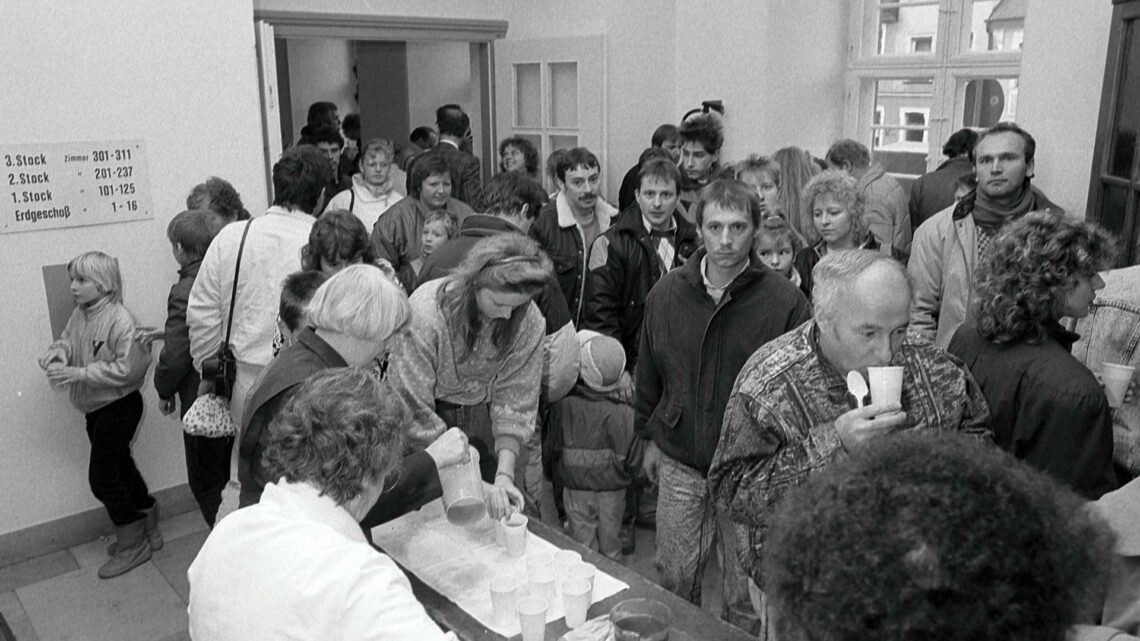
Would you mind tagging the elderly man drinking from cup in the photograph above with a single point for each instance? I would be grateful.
(790, 412)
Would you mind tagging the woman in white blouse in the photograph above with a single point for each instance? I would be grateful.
(297, 565)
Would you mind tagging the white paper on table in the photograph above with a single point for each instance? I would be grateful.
(459, 562)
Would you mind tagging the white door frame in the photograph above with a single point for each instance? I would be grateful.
(481, 34)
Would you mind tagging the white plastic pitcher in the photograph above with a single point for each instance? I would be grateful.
(463, 500)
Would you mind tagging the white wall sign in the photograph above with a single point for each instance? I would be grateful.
(72, 184)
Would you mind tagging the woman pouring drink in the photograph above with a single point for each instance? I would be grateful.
(472, 357)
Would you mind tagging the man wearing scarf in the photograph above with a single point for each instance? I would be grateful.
(949, 245)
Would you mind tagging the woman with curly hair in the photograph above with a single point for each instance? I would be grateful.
(338, 239)
(922, 536)
(836, 205)
(1048, 409)
(297, 565)
(518, 154)
(473, 357)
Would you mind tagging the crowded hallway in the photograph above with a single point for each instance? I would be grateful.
(508, 350)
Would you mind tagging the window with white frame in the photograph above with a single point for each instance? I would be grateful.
(925, 68)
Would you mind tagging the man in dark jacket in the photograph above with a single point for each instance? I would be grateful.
(647, 241)
(702, 322)
(466, 177)
(568, 225)
(933, 192)
(665, 138)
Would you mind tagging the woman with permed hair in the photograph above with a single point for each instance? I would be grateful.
(518, 154)
(920, 536)
(836, 206)
(472, 357)
(297, 565)
(338, 239)
(1048, 409)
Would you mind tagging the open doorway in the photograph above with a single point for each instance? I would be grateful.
(393, 71)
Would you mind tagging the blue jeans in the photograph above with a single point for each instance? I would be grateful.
(688, 524)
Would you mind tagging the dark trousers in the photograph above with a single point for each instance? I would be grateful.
(112, 474)
(208, 471)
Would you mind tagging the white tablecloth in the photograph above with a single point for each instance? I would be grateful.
(459, 562)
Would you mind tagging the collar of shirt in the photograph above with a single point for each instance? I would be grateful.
(450, 142)
(668, 233)
(566, 215)
(705, 275)
(308, 499)
(295, 214)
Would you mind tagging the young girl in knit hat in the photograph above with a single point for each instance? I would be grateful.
(600, 454)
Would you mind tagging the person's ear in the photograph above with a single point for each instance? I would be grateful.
(522, 211)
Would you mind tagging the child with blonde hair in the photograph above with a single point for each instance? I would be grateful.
(439, 227)
(102, 366)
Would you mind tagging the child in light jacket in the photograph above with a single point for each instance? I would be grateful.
(102, 366)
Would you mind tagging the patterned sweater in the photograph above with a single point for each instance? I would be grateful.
(779, 426)
(424, 369)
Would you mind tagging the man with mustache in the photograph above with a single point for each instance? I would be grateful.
(948, 246)
(567, 226)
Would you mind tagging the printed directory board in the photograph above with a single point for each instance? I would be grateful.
(73, 184)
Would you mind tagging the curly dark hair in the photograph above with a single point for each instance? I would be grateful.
(219, 196)
(932, 536)
(704, 129)
(529, 152)
(338, 237)
(1031, 263)
(340, 430)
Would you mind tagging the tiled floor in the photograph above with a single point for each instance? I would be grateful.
(58, 597)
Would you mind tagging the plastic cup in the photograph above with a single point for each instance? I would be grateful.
(576, 600)
(584, 571)
(563, 559)
(641, 620)
(1116, 379)
(538, 560)
(532, 617)
(886, 384)
(504, 597)
(542, 582)
(514, 535)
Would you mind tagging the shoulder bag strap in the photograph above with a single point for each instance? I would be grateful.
(351, 198)
(233, 292)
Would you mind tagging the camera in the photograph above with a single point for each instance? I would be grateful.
(221, 370)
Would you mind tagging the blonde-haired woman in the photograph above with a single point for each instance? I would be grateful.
(473, 357)
(351, 317)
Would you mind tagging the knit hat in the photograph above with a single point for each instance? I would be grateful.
(601, 362)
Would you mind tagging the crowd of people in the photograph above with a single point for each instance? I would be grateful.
(683, 361)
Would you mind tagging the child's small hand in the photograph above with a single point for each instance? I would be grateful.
(60, 374)
(147, 335)
(167, 406)
(51, 357)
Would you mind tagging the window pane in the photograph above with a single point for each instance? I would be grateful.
(1126, 119)
(989, 101)
(996, 25)
(1113, 209)
(528, 95)
(564, 94)
(900, 138)
(563, 142)
(907, 28)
